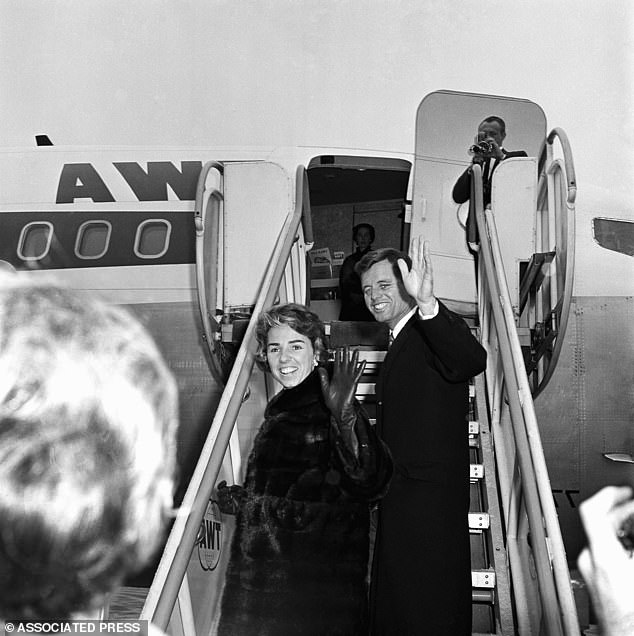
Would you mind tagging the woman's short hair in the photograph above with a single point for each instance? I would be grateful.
(300, 319)
(88, 416)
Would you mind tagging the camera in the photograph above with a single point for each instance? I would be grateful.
(481, 148)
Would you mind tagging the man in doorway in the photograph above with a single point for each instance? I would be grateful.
(488, 153)
(352, 303)
(421, 573)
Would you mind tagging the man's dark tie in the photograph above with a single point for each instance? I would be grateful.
(485, 170)
(390, 339)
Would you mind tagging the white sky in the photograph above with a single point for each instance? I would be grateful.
(318, 72)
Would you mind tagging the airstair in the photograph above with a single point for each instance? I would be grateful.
(520, 581)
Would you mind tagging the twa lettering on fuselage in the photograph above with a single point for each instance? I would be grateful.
(82, 181)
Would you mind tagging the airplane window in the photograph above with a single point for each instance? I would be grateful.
(614, 235)
(152, 238)
(35, 240)
(93, 238)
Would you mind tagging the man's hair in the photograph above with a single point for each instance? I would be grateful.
(88, 416)
(299, 319)
(497, 120)
(359, 226)
(384, 254)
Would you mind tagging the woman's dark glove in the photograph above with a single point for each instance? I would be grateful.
(230, 497)
(340, 390)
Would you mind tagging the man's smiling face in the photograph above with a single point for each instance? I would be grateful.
(384, 294)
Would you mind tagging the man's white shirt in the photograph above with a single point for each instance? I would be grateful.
(403, 321)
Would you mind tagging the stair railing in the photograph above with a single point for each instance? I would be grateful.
(530, 516)
(175, 559)
(555, 232)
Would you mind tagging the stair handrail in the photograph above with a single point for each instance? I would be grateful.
(558, 609)
(548, 166)
(571, 185)
(529, 490)
(209, 322)
(557, 550)
(171, 570)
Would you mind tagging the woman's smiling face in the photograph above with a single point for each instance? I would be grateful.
(290, 355)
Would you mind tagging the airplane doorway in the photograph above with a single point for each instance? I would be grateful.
(346, 191)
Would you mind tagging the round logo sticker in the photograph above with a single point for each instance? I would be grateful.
(210, 537)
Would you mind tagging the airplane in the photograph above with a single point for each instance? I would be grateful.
(124, 221)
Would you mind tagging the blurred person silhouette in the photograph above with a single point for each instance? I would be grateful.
(299, 556)
(606, 563)
(352, 304)
(88, 415)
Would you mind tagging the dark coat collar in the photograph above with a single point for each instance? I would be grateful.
(304, 394)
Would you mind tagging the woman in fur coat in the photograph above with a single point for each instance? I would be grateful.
(299, 557)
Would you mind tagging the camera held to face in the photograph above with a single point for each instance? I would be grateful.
(481, 148)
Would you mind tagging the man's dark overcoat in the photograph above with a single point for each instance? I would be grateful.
(353, 305)
(299, 556)
(421, 571)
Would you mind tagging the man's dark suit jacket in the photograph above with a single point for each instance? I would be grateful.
(421, 579)
(462, 189)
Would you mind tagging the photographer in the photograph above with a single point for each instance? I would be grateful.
(607, 564)
(487, 151)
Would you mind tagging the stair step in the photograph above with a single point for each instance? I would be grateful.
(483, 596)
(366, 388)
(479, 520)
(474, 432)
(371, 356)
(476, 472)
(483, 578)
(343, 332)
(473, 427)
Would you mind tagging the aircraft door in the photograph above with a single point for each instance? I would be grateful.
(240, 209)
(446, 126)
(208, 221)
(258, 197)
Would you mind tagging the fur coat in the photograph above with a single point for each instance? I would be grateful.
(299, 557)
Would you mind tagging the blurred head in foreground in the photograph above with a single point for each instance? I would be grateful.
(88, 414)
